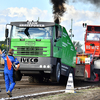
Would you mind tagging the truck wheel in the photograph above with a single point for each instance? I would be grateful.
(18, 75)
(30, 79)
(55, 76)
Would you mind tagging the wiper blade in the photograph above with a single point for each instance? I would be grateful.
(26, 32)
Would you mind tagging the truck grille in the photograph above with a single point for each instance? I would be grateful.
(26, 50)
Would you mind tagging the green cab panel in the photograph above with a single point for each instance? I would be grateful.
(68, 50)
(64, 49)
(31, 47)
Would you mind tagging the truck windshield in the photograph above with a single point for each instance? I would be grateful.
(93, 36)
(32, 33)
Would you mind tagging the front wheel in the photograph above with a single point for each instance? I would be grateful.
(56, 73)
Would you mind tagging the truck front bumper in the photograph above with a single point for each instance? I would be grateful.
(42, 64)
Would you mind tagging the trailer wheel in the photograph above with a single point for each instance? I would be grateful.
(30, 79)
(56, 73)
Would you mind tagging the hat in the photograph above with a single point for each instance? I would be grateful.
(11, 51)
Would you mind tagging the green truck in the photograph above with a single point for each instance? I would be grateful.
(44, 50)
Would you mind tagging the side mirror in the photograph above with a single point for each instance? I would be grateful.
(6, 32)
(55, 40)
(59, 34)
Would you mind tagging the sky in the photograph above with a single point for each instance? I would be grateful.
(77, 10)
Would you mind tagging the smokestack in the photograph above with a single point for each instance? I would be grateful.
(58, 9)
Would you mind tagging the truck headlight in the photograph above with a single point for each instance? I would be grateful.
(48, 66)
(44, 66)
(40, 66)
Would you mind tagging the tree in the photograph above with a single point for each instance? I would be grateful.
(3, 45)
(78, 46)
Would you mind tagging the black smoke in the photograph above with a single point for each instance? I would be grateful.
(58, 9)
(94, 2)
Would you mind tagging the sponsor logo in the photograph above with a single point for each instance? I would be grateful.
(68, 42)
(91, 47)
(64, 34)
(72, 49)
(32, 24)
(64, 68)
(29, 60)
(64, 44)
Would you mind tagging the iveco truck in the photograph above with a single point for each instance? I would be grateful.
(44, 50)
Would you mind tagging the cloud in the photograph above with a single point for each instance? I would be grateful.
(79, 14)
(2, 20)
(22, 14)
(79, 17)
(28, 14)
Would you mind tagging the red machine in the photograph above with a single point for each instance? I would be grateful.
(88, 64)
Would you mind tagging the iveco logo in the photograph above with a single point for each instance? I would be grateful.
(29, 43)
(29, 60)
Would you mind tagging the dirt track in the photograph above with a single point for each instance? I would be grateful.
(86, 94)
(25, 88)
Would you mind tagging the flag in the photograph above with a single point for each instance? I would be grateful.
(9, 64)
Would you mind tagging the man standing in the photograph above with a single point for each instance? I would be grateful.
(9, 70)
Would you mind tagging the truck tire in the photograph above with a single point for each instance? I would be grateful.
(18, 76)
(63, 80)
(31, 79)
(56, 73)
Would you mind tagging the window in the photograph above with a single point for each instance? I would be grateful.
(93, 36)
(32, 33)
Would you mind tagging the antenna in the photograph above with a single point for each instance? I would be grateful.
(38, 19)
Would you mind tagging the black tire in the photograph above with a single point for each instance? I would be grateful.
(18, 76)
(31, 79)
(63, 80)
(56, 73)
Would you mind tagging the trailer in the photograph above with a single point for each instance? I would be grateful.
(44, 49)
(88, 63)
